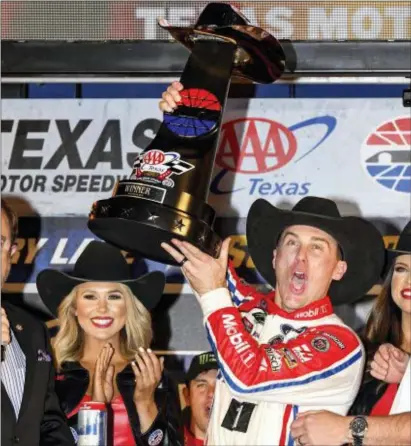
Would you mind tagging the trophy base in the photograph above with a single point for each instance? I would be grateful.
(137, 225)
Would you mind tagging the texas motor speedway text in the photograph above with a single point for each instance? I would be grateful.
(59, 183)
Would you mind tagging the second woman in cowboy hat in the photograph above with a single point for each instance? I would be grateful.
(388, 328)
(102, 348)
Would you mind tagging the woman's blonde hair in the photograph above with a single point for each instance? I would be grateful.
(69, 341)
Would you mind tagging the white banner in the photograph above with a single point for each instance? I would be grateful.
(62, 155)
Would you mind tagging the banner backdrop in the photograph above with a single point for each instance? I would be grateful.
(59, 156)
(64, 154)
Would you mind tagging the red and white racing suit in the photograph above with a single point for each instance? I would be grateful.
(275, 364)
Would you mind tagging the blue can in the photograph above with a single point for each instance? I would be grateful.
(92, 424)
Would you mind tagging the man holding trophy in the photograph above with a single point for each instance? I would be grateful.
(296, 354)
(281, 353)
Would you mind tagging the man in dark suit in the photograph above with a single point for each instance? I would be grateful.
(30, 410)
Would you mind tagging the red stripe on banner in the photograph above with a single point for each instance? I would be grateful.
(8, 13)
(286, 419)
(123, 23)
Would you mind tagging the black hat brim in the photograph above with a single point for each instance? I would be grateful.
(392, 254)
(360, 241)
(53, 286)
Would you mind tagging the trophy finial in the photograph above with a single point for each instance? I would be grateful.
(259, 56)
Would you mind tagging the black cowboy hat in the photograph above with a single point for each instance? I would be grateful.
(260, 56)
(403, 246)
(99, 262)
(361, 243)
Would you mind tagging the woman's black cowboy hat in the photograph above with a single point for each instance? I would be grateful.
(403, 245)
(361, 243)
(99, 262)
(260, 56)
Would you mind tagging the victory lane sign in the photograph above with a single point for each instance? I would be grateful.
(166, 193)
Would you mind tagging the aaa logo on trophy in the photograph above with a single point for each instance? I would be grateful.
(156, 167)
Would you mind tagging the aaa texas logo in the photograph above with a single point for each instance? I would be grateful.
(386, 154)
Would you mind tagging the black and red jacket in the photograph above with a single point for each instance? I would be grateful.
(72, 383)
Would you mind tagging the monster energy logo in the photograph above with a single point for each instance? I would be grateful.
(206, 357)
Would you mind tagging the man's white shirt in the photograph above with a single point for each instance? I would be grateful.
(13, 373)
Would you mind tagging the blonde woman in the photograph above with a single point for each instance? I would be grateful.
(102, 348)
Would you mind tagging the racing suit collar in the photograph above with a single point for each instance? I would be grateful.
(315, 310)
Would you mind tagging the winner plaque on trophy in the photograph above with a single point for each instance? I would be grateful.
(166, 194)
